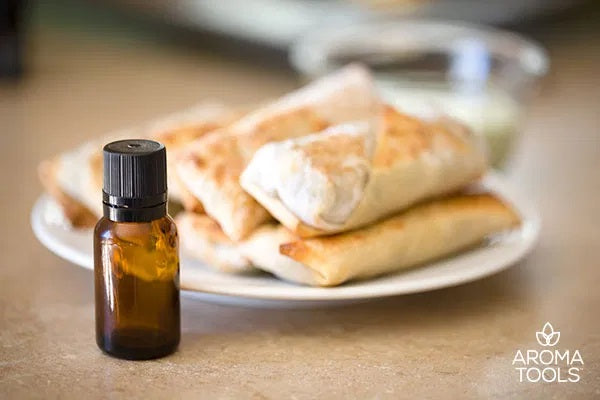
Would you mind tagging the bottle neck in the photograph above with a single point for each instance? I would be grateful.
(124, 209)
(123, 214)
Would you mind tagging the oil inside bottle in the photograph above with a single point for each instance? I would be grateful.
(137, 288)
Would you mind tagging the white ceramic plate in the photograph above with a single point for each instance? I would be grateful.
(264, 290)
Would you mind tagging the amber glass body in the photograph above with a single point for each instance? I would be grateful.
(136, 271)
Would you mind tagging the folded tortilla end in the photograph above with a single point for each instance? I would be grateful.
(212, 166)
(279, 211)
(420, 234)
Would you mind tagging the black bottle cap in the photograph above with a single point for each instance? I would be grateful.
(135, 180)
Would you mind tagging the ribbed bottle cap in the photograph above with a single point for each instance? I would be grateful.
(135, 174)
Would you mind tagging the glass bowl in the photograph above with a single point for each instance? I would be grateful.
(482, 76)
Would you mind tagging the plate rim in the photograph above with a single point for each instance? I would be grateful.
(527, 234)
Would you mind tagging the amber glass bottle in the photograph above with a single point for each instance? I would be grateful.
(136, 255)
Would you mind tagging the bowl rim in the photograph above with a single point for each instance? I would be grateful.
(308, 53)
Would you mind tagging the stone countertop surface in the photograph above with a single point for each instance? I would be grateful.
(452, 343)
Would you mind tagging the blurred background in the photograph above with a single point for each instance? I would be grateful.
(82, 68)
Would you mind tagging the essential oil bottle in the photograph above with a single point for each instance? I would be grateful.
(136, 255)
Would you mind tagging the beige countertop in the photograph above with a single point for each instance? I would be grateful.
(456, 343)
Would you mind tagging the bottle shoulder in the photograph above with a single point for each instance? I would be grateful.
(170, 222)
(109, 229)
(103, 227)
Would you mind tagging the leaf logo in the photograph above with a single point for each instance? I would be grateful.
(547, 336)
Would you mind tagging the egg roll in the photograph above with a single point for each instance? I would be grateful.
(354, 174)
(420, 234)
(74, 178)
(212, 165)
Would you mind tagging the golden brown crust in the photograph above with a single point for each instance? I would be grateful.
(308, 251)
(403, 146)
(175, 131)
(217, 157)
(78, 215)
(280, 127)
(182, 128)
(177, 136)
(220, 158)
(423, 233)
(328, 156)
(213, 168)
(402, 137)
(188, 201)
